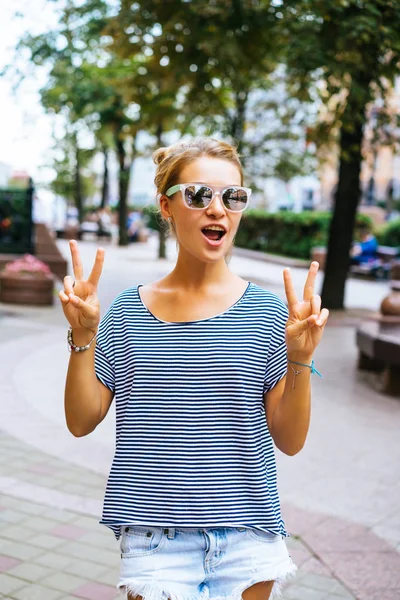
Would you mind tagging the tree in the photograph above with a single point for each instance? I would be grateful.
(84, 85)
(72, 181)
(351, 49)
(216, 52)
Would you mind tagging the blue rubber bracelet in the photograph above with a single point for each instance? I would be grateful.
(314, 371)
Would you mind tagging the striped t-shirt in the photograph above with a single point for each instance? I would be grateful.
(193, 447)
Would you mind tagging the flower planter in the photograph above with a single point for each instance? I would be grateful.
(22, 288)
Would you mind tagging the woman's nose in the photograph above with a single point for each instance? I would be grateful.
(216, 205)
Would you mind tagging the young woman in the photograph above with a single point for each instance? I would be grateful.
(198, 363)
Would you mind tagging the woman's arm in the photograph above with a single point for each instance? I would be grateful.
(288, 403)
(87, 400)
(288, 410)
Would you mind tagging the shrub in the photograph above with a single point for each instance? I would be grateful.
(390, 234)
(286, 233)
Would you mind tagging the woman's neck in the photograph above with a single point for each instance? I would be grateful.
(196, 275)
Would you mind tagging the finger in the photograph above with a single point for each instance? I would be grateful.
(68, 285)
(63, 297)
(289, 288)
(86, 309)
(310, 281)
(295, 329)
(97, 267)
(323, 317)
(76, 260)
(316, 304)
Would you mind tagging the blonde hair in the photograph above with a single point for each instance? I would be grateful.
(172, 160)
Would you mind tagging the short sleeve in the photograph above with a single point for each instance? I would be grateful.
(276, 367)
(104, 352)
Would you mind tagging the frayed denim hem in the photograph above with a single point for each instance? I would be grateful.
(275, 575)
(155, 591)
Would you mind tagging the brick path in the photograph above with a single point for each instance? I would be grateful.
(51, 484)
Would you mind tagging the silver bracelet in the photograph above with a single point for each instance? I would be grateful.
(73, 347)
(295, 373)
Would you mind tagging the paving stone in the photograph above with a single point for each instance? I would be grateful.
(53, 560)
(62, 516)
(16, 532)
(7, 563)
(36, 592)
(9, 584)
(91, 554)
(10, 516)
(24, 475)
(40, 523)
(343, 596)
(43, 468)
(299, 592)
(87, 522)
(21, 551)
(95, 591)
(46, 541)
(99, 539)
(69, 531)
(79, 489)
(324, 584)
(110, 577)
(85, 569)
(30, 571)
(65, 582)
(23, 506)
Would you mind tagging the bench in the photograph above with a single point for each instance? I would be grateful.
(379, 350)
(381, 267)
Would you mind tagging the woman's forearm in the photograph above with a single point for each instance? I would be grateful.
(291, 418)
(82, 393)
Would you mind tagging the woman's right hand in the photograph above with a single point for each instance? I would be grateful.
(79, 299)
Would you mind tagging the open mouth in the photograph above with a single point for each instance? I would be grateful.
(214, 235)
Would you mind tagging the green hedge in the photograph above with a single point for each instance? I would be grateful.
(389, 235)
(286, 233)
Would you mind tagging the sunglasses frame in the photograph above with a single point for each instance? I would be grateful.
(215, 190)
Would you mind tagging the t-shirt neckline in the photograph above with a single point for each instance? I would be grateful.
(224, 312)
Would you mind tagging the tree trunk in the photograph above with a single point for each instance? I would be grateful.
(237, 129)
(104, 189)
(123, 185)
(78, 183)
(162, 234)
(345, 207)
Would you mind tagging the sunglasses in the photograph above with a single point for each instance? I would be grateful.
(199, 195)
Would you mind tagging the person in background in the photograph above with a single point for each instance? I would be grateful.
(364, 251)
(104, 222)
(135, 223)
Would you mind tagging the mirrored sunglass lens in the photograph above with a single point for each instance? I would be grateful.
(235, 198)
(198, 196)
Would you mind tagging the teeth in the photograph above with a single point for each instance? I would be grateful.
(215, 228)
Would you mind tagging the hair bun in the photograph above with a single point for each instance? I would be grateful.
(159, 155)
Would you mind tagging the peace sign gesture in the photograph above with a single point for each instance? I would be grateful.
(79, 299)
(306, 321)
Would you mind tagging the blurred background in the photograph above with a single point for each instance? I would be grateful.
(309, 91)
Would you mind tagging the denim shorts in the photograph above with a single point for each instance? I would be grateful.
(200, 564)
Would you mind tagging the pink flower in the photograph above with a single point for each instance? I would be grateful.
(28, 264)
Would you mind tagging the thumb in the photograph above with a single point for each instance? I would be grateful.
(85, 308)
(295, 329)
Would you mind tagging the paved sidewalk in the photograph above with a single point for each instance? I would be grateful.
(340, 494)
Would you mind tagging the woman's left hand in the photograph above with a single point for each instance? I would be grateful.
(306, 321)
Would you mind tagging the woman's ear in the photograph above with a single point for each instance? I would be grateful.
(164, 207)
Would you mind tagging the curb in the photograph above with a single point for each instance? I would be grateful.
(271, 258)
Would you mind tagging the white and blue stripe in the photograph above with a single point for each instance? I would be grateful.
(193, 447)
